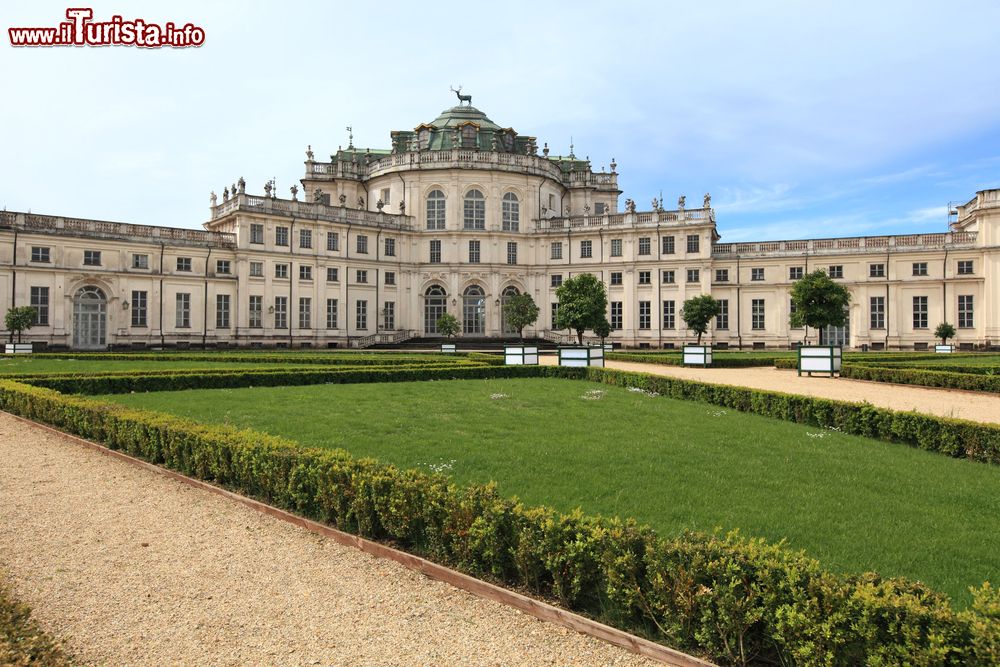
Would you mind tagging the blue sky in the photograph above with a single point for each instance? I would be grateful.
(803, 119)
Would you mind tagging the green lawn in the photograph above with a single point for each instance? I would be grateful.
(855, 504)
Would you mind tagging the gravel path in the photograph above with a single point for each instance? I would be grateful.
(130, 567)
(974, 406)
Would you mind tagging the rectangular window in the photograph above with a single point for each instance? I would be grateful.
(511, 252)
(305, 272)
(645, 278)
(140, 304)
(256, 269)
(183, 263)
(836, 271)
(361, 319)
(256, 233)
(40, 302)
(385, 196)
(256, 312)
(331, 313)
(757, 274)
(305, 238)
(757, 314)
(669, 277)
(791, 313)
(332, 241)
(281, 236)
(389, 315)
(796, 272)
(554, 312)
(332, 274)
(616, 316)
(965, 316)
(91, 257)
(722, 275)
(722, 319)
(435, 251)
(616, 247)
(40, 254)
(616, 278)
(221, 311)
(555, 280)
(644, 315)
(474, 255)
(876, 312)
(281, 312)
(669, 314)
(280, 270)
(667, 243)
(920, 268)
(600, 208)
(305, 312)
(556, 250)
(876, 270)
(362, 242)
(693, 275)
(362, 276)
(920, 312)
(390, 277)
(183, 312)
(965, 267)
(644, 245)
(140, 261)
(222, 266)
(390, 247)
(586, 249)
(693, 243)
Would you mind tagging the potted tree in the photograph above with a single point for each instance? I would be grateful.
(582, 305)
(520, 311)
(602, 330)
(448, 325)
(944, 331)
(697, 312)
(819, 302)
(18, 320)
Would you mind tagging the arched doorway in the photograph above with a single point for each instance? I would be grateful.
(474, 311)
(435, 305)
(90, 319)
(505, 296)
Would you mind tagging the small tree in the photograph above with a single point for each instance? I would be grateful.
(448, 325)
(19, 319)
(944, 331)
(520, 311)
(819, 302)
(698, 311)
(582, 304)
(603, 329)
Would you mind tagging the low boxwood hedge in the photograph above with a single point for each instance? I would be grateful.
(287, 358)
(732, 361)
(925, 377)
(734, 600)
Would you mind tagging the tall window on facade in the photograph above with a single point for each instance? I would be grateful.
(474, 310)
(281, 236)
(876, 312)
(722, 319)
(332, 274)
(920, 312)
(305, 312)
(511, 212)
(553, 313)
(281, 312)
(362, 244)
(474, 256)
(256, 312)
(305, 272)
(389, 315)
(435, 305)
(616, 316)
(435, 210)
(693, 242)
(757, 314)
(305, 238)
(616, 247)
(182, 313)
(256, 233)
(556, 250)
(644, 245)
(511, 252)
(361, 276)
(435, 251)
(508, 293)
(280, 270)
(221, 311)
(669, 277)
(332, 241)
(645, 278)
(40, 302)
(965, 316)
(140, 304)
(586, 249)
(791, 313)
(469, 135)
(331, 313)
(669, 314)
(644, 315)
(361, 316)
(390, 247)
(390, 277)
(616, 278)
(474, 211)
(667, 243)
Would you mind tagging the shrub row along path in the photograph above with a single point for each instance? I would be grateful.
(973, 406)
(130, 567)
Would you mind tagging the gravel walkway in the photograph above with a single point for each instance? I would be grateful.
(974, 406)
(130, 567)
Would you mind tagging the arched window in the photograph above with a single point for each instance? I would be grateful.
(469, 135)
(90, 321)
(511, 209)
(435, 210)
(475, 210)
(474, 310)
(507, 294)
(435, 305)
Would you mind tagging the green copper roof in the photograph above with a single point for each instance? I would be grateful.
(455, 116)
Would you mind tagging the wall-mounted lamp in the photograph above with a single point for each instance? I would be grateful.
(497, 302)
(270, 310)
(124, 305)
(454, 302)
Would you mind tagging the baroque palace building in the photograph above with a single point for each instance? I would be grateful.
(456, 216)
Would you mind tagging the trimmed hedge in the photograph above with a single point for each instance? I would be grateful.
(270, 357)
(734, 600)
(677, 360)
(924, 377)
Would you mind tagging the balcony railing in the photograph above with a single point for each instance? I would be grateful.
(52, 224)
(644, 219)
(311, 210)
(847, 245)
(984, 199)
